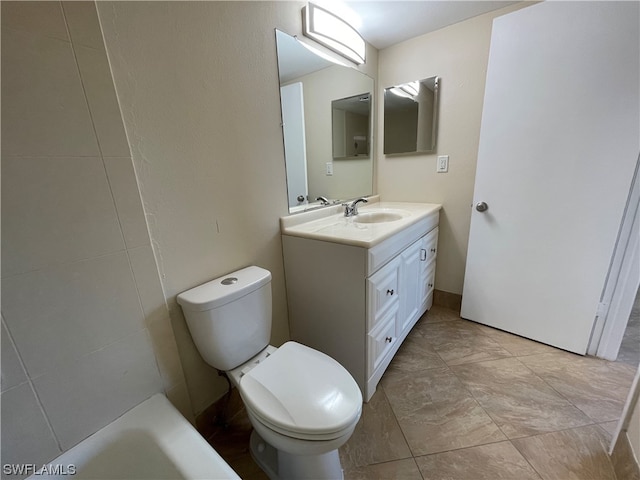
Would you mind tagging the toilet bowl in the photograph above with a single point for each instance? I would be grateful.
(302, 404)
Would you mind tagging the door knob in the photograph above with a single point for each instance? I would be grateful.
(482, 207)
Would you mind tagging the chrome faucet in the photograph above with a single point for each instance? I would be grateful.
(323, 200)
(352, 210)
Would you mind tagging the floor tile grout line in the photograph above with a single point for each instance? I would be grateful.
(560, 394)
(418, 468)
(526, 459)
(493, 420)
(395, 417)
(493, 442)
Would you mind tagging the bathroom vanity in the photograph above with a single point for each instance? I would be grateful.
(357, 285)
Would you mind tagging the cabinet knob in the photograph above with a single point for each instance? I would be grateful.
(390, 292)
(433, 250)
(388, 339)
(430, 285)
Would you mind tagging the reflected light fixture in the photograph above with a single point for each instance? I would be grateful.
(407, 90)
(334, 33)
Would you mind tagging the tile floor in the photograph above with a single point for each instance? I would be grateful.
(465, 401)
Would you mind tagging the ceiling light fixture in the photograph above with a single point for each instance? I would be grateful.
(334, 33)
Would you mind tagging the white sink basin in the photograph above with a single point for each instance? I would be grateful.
(380, 216)
(375, 222)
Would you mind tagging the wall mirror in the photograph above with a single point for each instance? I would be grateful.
(309, 86)
(351, 121)
(411, 117)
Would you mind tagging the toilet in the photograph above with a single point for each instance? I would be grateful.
(302, 404)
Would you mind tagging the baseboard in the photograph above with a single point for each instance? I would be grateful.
(452, 301)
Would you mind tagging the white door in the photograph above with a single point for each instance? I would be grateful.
(295, 149)
(558, 144)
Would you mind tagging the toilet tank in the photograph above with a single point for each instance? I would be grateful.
(230, 317)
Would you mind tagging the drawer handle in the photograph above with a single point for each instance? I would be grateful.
(433, 250)
(390, 292)
(388, 339)
(423, 254)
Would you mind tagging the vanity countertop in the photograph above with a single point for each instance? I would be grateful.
(331, 225)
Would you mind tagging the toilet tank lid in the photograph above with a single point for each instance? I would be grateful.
(225, 289)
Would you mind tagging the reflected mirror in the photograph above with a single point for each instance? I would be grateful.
(350, 119)
(309, 86)
(411, 117)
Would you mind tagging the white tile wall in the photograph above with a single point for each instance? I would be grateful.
(59, 314)
(83, 308)
(61, 210)
(89, 394)
(26, 436)
(12, 372)
(36, 18)
(43, 96)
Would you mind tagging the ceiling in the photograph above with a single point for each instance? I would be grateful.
(382, 23)
(385, 23)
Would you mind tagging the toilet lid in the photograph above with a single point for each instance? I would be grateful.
(300, 390)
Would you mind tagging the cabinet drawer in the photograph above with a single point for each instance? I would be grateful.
(380, 341)
(382, 293)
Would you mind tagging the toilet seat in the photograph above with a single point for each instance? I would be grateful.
(302, 393)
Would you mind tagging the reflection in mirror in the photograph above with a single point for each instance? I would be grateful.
(411, 117)
(350, 118)
(309, 84)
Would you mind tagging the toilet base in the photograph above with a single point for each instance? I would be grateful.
(279, 465)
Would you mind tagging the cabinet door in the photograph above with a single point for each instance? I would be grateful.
(429, 275)
(428, 257)
(411, 286)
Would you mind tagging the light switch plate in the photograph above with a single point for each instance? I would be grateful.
(443, 164)
(329, 168)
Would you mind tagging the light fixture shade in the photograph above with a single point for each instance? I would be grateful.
(334, 33)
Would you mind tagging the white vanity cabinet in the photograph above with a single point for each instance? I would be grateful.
(358, 304)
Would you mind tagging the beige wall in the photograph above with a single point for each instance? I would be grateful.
(198, 86)
(459, 55)
(86, 333)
